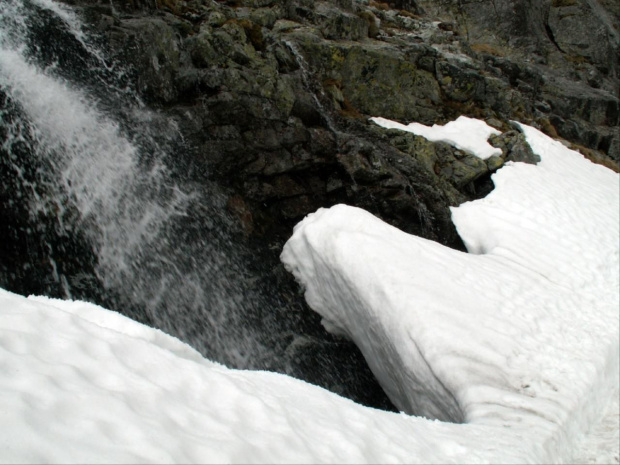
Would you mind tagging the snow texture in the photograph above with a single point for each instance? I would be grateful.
(519, 336)
(81, 384)
(519, 340)
(464, 133)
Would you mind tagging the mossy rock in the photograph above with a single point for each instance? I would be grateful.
(336, 24)
(376, 79)
(459, 84)
(266, 17)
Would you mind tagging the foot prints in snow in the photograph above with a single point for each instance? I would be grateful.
(518, 339)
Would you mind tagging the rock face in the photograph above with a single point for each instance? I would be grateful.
(273, 95)
(273, 99)
(561, 55)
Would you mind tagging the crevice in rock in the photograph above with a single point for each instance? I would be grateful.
(551, 37)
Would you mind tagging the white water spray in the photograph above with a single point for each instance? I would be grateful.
(127, 205)
(95, 207)
(95, 163)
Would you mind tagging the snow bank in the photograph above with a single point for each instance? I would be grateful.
(525, 352)
(521, 336)
(464, 133)
(81, 384)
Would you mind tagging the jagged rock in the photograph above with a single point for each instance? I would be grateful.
(561, 55)
(273, 98)
(337, 24)
(584, 33)
(151, 44)
(266, 17)
(514, 147)
(377, 79)
(269, 73)
(459, 84)
(452, 167)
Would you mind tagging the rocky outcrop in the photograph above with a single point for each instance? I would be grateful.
(562, 55)
(273, 99)
(273, 96)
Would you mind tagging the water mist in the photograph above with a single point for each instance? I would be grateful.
(95, 206)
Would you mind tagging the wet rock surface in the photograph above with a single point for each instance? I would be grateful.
(273, 99)
(272, 93)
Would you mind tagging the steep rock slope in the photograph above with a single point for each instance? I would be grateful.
(273, 95)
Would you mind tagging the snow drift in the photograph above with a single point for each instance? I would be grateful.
(518, 340)
(520, 335)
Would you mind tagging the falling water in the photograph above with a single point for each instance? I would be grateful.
(315, 90)
(97, 176)
(93, 207)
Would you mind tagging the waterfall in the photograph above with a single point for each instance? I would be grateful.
(99, 176)
(97, 203)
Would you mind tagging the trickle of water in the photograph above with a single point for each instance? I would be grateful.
(314, 90)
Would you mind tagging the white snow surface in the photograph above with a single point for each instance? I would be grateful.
(464, 133)
(520, 336)
(81, 384)
(519, 339)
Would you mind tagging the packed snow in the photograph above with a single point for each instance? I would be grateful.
(517, 340)
(520, 335)
(467, 134)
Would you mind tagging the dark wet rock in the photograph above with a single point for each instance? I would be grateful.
(151, 45)
(514, 147)
(273, 99)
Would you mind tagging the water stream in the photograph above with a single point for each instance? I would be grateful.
(100, 177)
(314, 90)
(93, 207)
